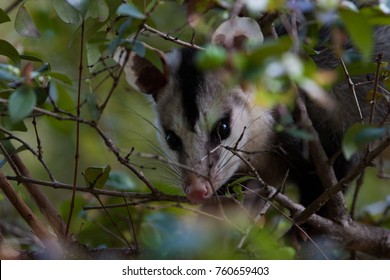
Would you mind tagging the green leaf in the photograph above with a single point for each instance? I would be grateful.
(93, 106)
(360, 30)
(66, 12)
(80, 5)
(21, 103)
(25, 25)
(9, 125)
(31, 58)
(211, 58)
(120, 180)
(9, 51)
(60, 77)
(349, 145)
(139, 48)
(96, 177)
(42, 94)
(98, 9)
(93, 56)
(3, 16)
(299, 133)
(359, 135)
(369, 135)
(127, 9)
(241, 180)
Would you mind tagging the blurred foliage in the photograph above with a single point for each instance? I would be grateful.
(39, 65)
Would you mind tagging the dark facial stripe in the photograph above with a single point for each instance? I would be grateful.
(190, 79)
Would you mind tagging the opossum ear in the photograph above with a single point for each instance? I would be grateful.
(142, 74)
(236, 32)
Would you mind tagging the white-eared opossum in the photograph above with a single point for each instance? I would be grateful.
(198, 116)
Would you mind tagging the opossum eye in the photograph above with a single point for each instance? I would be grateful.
(173, 140)
(222, 129)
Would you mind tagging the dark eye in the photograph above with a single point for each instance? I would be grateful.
(222, 129)
(173, 140)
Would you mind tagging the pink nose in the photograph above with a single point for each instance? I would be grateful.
(198, 189)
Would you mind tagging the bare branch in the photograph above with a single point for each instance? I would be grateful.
(170, 38)
(45, 206)
(336, 209)
(51, 243)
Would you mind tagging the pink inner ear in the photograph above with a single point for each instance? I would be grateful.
(239, 41)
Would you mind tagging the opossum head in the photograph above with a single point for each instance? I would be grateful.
(199, 118)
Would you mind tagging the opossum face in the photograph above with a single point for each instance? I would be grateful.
(200, 120)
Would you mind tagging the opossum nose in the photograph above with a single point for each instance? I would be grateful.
(197, 188)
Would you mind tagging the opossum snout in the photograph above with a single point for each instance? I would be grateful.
(198, 189)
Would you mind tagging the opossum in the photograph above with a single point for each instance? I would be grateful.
(200, 120)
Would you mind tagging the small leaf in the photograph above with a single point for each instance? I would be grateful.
(9, 51)
(130, 10)
(212, 57)
(299, 133)
(359, 135)
(25, 25)
(139, 48)
(120, 180)
(60, 77)
(96, 177)
(369, 135)
(80, 5)
(241, 180)
(9, 125)
(93, 106)
(360, 31)
(21, 103)
(30, 58)
(42, 94)
(3, 16)
(99, 9)
(66, 12)
(349, 145)
(93, 56)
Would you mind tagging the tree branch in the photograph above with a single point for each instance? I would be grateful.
(44, 204)
(53, 248)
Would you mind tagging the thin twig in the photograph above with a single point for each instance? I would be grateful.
(113, 222)
(352, 87)
(132, 225)
(76, 158)
(376, 83)
(341, 185)
(12, 6)
(170, 38)
(271, 190)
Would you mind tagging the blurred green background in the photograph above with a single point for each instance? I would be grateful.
(164, 230)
